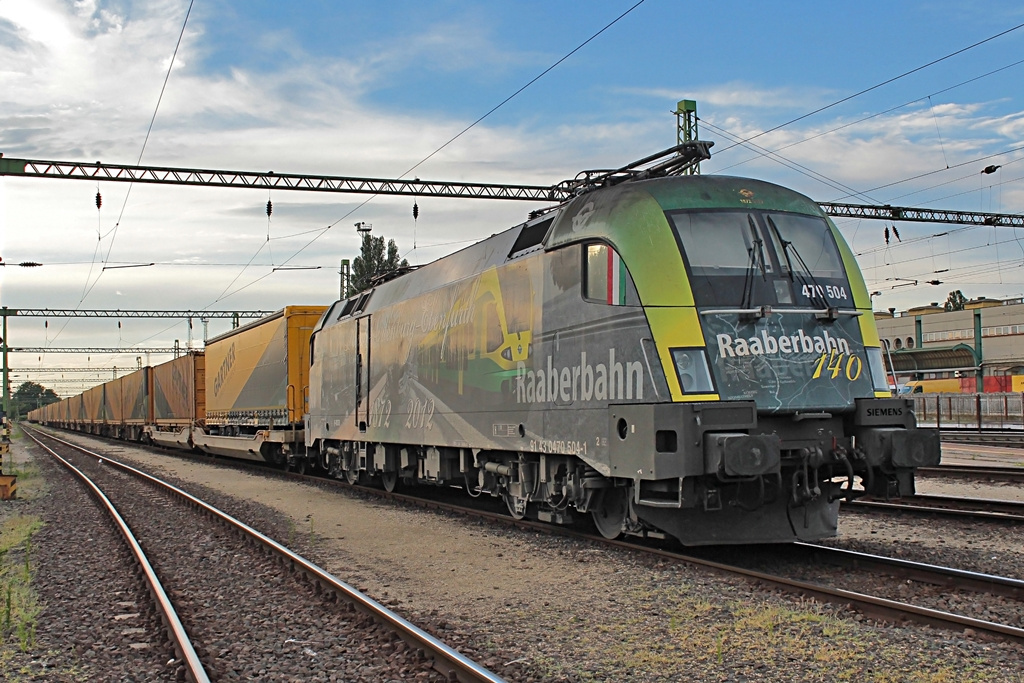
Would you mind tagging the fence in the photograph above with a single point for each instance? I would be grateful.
(978, 411)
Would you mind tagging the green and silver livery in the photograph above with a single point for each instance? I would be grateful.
(692, 356)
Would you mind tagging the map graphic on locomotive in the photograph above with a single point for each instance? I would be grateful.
(684, 355)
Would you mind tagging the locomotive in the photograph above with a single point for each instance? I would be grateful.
(684, 355)
(670, 355)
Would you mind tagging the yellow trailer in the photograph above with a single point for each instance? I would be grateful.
(134, 404)
(93, 416)
(257, 384)
(179, 400)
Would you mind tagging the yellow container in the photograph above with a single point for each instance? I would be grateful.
(258, 374)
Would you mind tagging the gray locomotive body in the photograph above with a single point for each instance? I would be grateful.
(691, 356)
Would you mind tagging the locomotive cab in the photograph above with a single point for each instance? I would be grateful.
(780, 404)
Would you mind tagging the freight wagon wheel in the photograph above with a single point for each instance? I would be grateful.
(609, 511)
(389, 480)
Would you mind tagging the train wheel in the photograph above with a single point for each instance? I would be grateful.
(610, 512)
(389, 480)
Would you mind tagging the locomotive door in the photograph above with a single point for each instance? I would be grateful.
(362, 411)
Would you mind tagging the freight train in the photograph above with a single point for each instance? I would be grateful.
(692, 356)
(249, 404)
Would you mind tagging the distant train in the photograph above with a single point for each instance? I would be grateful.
(990, 384)
(687, 355)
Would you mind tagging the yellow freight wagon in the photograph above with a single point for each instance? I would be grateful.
(257, 381)
(179, 400)
(92, 417)
(136, 405)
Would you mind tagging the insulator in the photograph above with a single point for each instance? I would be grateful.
(896, 232)
(270, 208)
(415, 210)
(118, 324)
(887, 234)
(99, 200)
(46, 324)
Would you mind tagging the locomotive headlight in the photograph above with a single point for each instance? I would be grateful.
(506, 353)
(877, 367)
(692, 370)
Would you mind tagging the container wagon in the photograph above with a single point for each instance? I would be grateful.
(257, 381)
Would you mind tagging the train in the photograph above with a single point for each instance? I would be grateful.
(249, 405)
(990, 384)
(690, 356)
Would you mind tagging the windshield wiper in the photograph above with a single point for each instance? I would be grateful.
(756, 250)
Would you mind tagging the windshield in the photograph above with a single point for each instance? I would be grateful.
(747, 259)
(720, 243)
(804, 246)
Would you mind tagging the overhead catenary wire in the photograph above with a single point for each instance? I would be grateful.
(89, 287)
(145, 142)
(871, 116)
(875, 87)
(321, 233)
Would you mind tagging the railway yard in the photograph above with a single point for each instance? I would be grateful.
(584, 408)
(526, 605)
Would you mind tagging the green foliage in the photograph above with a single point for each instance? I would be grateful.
(375, 258)
(19, 608)
(955, 301)
(30, 396)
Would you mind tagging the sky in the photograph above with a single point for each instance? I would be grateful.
(374, 89)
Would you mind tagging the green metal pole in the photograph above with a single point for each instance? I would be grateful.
(7, 386)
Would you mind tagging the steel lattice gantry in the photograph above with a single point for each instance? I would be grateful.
(94, 349)
(118, 313)
(32, 168)
(910, 214)
(278, 181)
(6, 313)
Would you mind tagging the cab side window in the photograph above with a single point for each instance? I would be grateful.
(605, 278)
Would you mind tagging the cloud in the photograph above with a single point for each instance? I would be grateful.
(81, 81)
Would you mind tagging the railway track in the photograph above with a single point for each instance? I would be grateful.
(219, 582)
(974, 473)
(952, 506)
(943, 579)
(1013, 438)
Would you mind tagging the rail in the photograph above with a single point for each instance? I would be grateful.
(972, 508)
(176, 631)
(455, 665)
(973, 473)
(882, 608)
(875, 606)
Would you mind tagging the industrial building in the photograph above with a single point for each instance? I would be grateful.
(981, 346)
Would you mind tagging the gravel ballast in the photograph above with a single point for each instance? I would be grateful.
(534, 607)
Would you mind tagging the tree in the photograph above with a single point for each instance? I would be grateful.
(373, 261)
(955, 301)
(30, 396)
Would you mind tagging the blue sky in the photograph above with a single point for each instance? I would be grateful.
(370, 89)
